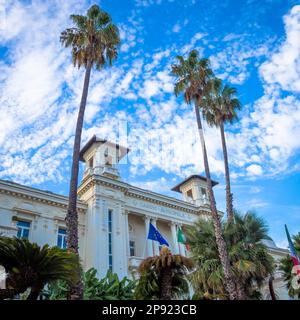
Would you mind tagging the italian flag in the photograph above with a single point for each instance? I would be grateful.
(182, 239)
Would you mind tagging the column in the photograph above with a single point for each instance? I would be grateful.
(127, 249)
(174, 238)
(148, 252)
(95, 246)
(119, 240)
(155, 243)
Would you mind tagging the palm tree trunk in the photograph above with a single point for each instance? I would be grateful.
(166, 284)
(35, 291)
(72, 215)
(229, 204)
(271, 288)
(241, 294)
(229, 280)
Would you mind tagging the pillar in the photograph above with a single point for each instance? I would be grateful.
(174, 238)
(148, 252)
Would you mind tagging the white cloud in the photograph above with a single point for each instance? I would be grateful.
(41, 107)
(284, 67)
(254, 169)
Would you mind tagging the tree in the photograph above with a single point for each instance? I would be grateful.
(219, 106)
(163, 277)
(286, 266)
(94, 41)
(29, 265)
(193, 75)
(108, 288)
(250, 261)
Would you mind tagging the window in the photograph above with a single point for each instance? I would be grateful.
(23, 229)
(109, 161)
(203, 192)
(190, 194)
(132, 248)
(110, 257)
(91, 162)
(62, 238)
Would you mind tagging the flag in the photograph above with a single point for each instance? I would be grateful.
(182, 239)
(295, 258)
(156, 236)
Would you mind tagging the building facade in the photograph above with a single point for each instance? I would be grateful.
(114, 216)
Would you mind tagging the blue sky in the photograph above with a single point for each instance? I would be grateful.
(253, 45)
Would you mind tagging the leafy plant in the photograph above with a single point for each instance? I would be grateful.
(250, 261)
(286, 266)
(30, 266)
(163, 277)
(108, 288)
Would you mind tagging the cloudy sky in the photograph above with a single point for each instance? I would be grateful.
(253, 45)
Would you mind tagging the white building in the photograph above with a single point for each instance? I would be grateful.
(113, 215)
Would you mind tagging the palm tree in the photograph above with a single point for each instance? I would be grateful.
(286, 266)
(29, 265)
(163, 276)
(94, 41)
(219, 107)
(250, 261)
(193, 75)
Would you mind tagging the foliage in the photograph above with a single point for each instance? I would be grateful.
(250, 261)
(152, 276)
(286, 266)
(94, 38)
(29, 265)
(192, 75)
(219, 104)
(108, 288)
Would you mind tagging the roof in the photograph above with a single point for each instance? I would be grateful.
(269, 243)
(194, 176)
(95, 139)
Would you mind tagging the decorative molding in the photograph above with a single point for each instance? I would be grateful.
(138, 193)
(37, 195)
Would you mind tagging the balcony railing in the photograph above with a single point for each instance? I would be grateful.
(134, 262)
(110, 171)
(7, 231)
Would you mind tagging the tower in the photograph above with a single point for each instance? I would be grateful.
(106, 242)
(101, 157)
(194, 190)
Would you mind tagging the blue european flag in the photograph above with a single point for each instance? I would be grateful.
(156, 236)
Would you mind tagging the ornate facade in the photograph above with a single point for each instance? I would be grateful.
(114, 216)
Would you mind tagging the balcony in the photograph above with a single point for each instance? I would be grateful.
(134, 262)
(111, 172)
(7, 231)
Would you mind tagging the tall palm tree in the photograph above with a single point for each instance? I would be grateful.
(193, 75)
(219, 107)
(249, 257)
(29, 265)
(94, 40)
(163, 276)
(286, 266)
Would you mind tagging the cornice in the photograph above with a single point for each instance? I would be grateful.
(37, 195)
(138, 193)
